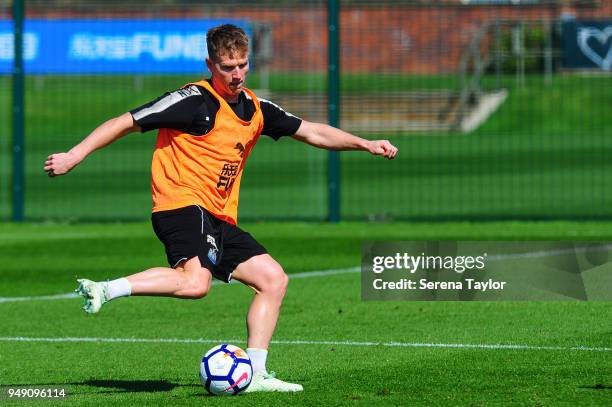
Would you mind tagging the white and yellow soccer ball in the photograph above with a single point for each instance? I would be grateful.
(226, 370)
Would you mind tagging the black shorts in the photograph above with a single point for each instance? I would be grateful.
(192, 231)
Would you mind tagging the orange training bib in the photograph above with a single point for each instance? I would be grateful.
(205, 170)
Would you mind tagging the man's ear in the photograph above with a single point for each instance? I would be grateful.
(209, 63)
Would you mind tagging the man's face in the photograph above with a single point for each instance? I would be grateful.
(228, 74)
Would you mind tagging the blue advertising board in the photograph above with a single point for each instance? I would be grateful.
(587, 44)
(77, 46)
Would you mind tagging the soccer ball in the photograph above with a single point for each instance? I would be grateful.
(226, 369)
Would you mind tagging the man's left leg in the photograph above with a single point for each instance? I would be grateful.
(264, 275)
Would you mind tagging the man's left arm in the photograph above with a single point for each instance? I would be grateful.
(330, 138)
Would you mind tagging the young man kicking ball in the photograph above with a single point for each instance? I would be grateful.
(207, 130)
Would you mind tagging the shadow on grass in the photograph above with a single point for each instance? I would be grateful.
(133, 386)
(598, 386)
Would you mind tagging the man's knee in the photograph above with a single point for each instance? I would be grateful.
(263, 274)
(197, 279)
(199, 284)
(274, 280)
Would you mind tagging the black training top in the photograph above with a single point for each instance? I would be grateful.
(193, 109)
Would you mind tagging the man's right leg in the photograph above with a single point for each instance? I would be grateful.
(188, 280)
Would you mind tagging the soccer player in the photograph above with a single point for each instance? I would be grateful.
(207, 130)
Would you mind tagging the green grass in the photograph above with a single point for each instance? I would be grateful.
(543, 155)
(44, 259)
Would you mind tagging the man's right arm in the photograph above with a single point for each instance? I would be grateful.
(103, 135)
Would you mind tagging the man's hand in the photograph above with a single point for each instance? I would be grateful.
(60, 163)
(382, 147)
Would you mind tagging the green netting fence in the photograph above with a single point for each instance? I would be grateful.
(500, 110)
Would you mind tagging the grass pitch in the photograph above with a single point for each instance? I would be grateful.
(337, 346)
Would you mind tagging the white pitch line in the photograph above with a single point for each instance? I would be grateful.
(315, 343)
(549, 253)
(306, 274)
(39, 297)
(323, 273)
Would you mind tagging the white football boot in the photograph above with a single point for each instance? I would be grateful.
(94, 293)
(264, 381)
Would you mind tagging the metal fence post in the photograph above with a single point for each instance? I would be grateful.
(333, 107)
(18, 112)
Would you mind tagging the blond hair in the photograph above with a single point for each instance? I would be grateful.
(226, 39)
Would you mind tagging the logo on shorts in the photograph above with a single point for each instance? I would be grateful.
(212, 253)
